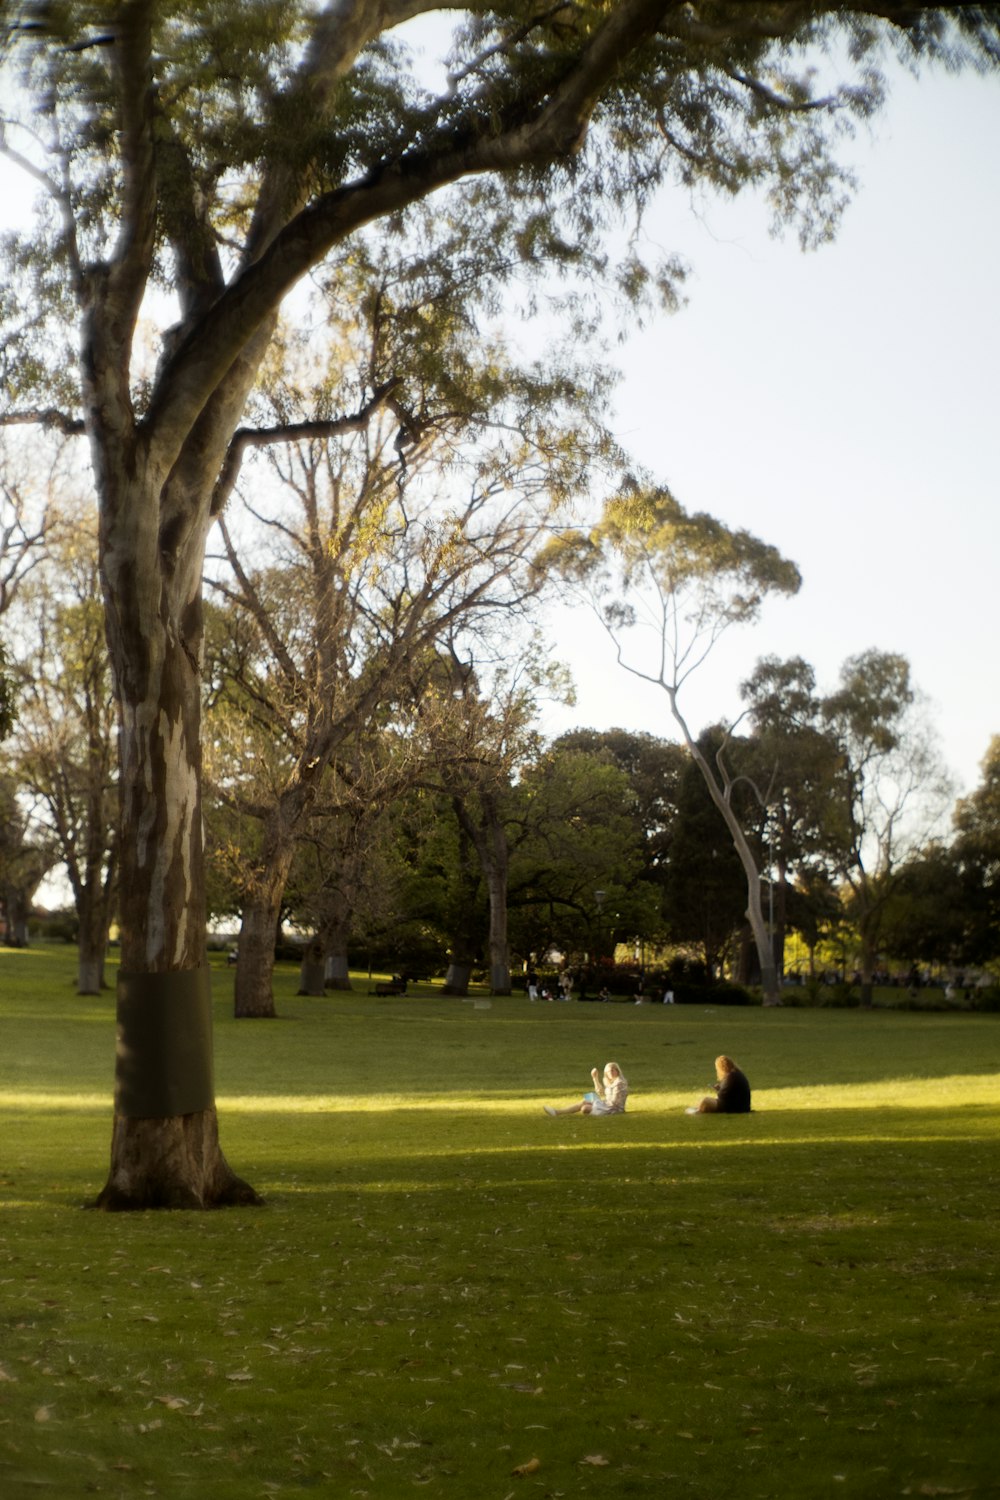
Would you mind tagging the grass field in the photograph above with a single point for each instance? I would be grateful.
(448, 1294)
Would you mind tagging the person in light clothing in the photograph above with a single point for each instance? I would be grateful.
(606, 1098)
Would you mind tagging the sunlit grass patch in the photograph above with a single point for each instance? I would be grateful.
(444, 1285)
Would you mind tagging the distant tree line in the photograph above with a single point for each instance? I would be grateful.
(434, 831)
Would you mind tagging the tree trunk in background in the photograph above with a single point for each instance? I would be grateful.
(334, 932)
(312, 972)
(253, 995)
(92, 943)
(338, 976)
(456, 980)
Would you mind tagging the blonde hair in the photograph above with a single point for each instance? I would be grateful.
(724, 1066)
(607, 1069)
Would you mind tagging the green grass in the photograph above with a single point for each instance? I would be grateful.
(444, 1285)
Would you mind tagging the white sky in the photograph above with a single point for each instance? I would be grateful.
(842, 405)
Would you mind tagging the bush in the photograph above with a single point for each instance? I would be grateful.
(838, 997)
(719, 993)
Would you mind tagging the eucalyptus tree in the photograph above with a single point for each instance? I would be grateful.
(576, 860)
(666, 585)
(65, 744)
(27, 854)
(655, 769)
(976, 849)
(195, 161)
(343, 883)
(795, 758)
(705, 883)
(891, 792)
(29, 475)
(360, 566)
(478, 723)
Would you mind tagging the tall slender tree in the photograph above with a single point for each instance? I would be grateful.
(666, 585)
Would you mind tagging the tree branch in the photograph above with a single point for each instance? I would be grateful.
(546, 126)
(293, 432)
(47, 416)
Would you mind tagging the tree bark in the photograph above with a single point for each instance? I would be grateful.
(755, 910)
(312, 972)
(165, 1150)
(456, 980)
(489, 839)
(253, 995)
(338, 976)
(92, 943)
(334, 933)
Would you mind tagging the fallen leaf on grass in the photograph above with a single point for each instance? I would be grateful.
(42, 1414)
(597, 1460)
(174, 1403)
(531, 1467)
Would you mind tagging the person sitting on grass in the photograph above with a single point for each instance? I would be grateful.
(606, 1098)
(732, 1092)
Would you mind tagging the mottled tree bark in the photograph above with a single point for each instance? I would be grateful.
(154, 621)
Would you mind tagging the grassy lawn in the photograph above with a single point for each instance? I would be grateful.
(445, 1287)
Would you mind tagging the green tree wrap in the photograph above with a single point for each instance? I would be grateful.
(163, 1065)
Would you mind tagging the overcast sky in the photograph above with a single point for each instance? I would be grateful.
(843, 405)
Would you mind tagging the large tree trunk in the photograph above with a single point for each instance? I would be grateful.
(165, 1150)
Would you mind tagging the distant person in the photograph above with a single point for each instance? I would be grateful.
(532, 986)
(732, 1092)
(606, 1098)
(605, 994)
(668, 996)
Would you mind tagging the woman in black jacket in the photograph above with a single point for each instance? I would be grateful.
(732, 1092)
